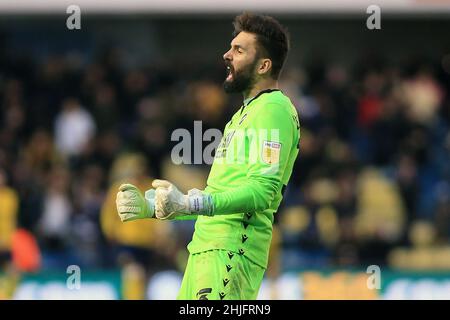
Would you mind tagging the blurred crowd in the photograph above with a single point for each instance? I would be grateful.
(372, 182)
(370, 185)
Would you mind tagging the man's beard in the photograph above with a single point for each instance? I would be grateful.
(242, 80)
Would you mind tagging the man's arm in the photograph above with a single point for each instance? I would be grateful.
(270, 140)
(270, 152)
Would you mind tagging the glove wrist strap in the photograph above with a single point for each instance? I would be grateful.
(201, 204)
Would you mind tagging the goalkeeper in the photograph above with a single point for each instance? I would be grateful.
(251, 168)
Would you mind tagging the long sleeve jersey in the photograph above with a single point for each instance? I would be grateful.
(251, 168)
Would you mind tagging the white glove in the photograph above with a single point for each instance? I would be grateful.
(171, 202)
(132, 205)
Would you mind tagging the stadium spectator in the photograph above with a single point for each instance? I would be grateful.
(9, 204)
(144, 243)
(74, 127)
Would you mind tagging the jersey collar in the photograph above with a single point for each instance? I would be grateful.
(250, 100)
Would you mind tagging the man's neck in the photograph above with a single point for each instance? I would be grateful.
(260, 86)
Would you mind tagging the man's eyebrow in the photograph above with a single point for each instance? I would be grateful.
(237, 46)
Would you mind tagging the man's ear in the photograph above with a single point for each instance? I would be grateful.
(265, 66)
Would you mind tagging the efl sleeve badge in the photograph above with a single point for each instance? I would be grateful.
(271, 152)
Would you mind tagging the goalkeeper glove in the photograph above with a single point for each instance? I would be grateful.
(132, 205)
(171, 202)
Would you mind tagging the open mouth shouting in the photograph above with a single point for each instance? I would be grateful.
(229, 73)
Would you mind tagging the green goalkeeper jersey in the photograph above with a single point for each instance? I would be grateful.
(251, 168)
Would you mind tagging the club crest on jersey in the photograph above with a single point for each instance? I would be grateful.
(271, 152)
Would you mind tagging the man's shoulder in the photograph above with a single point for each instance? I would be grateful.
(276, 101)
(276, 104)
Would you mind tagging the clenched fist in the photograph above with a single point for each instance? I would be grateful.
(171, 202)
(132, 205)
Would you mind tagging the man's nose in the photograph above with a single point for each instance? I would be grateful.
(227, 55)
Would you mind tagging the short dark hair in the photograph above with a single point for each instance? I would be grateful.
(272, 37)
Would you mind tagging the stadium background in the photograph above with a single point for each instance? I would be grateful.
(82, 110)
